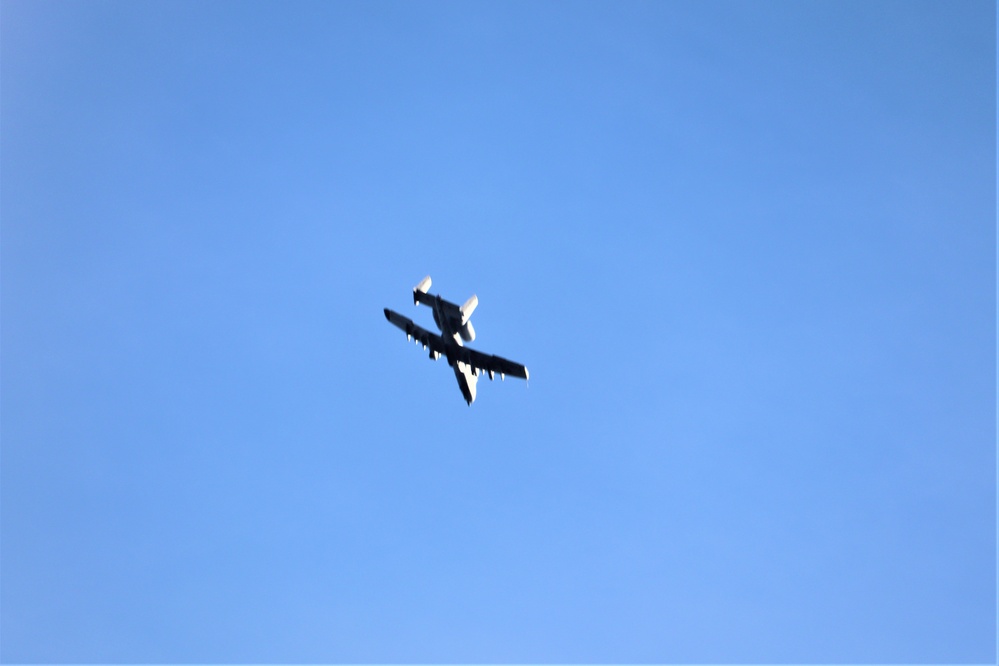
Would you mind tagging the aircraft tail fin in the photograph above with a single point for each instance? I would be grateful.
(468, 308)
(421, 289)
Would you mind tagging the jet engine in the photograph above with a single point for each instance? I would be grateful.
(467, 332)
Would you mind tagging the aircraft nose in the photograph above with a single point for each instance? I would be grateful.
(387, 314)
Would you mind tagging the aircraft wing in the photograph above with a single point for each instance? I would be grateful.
(495, 364)
(420, 334)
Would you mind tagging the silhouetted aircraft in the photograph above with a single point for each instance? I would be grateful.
(456, 329)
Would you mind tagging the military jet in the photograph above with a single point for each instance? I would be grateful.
(456, 329)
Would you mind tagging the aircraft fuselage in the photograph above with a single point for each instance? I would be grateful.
(466, 375)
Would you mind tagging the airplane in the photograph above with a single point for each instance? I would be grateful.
(456, 329)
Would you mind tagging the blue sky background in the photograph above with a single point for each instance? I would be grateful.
(747, 250)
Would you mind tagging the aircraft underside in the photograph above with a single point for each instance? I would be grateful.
(455, 328)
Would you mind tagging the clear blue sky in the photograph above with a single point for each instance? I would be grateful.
(747, 250)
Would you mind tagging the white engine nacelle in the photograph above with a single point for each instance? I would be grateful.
(467, 332)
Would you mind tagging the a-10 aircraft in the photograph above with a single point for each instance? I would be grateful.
(455, 328)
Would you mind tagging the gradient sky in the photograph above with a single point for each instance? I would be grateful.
(746, 249)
